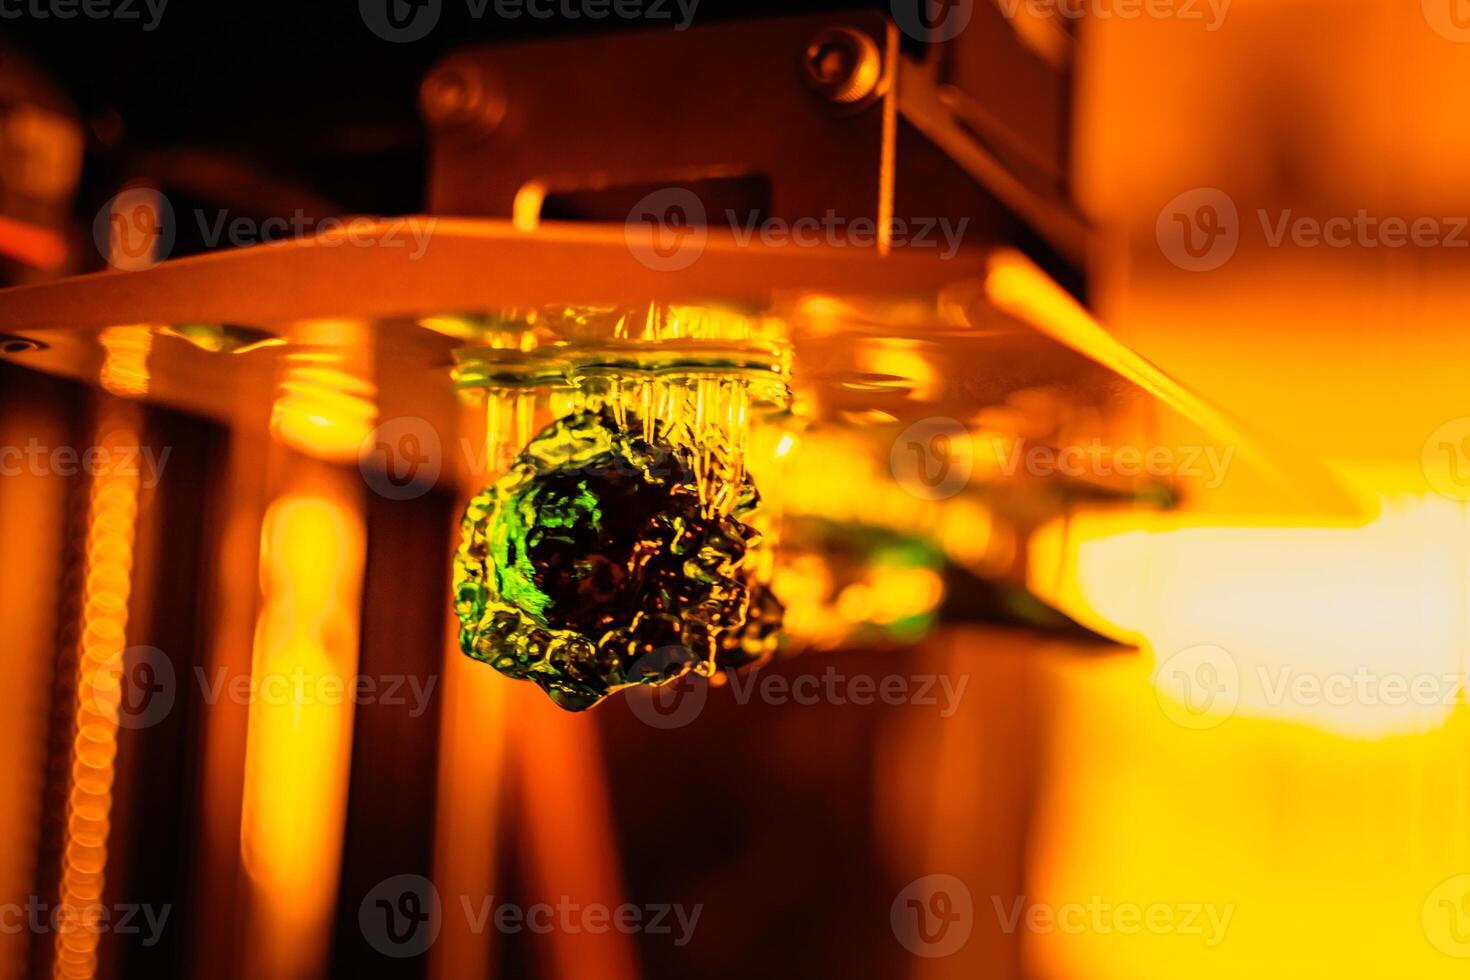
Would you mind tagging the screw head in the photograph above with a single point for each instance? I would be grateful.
(458, 96)
(843, 65)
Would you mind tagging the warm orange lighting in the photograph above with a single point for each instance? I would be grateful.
(1018, 287)
(1317, 794)
(473, 763)
(108, 563)
(1288, 747)
(325, 405)
(869, 495)
(299, 743)
(525, 209)
(900, 364)
(125, 368)
(1355, 630)
(32, 244)
(33, 511)
(322, 410)
(1329, 854)
(583, 865)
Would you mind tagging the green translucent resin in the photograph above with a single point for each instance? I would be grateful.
(594, 564)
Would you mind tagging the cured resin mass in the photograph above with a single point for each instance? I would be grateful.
(599, 561)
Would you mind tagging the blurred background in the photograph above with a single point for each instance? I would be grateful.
(1204, 718)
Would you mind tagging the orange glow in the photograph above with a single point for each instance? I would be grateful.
(33, 511)
(32, 244)
(1305, 811)
(1328, 852)
(322, 410)
(474, 758)
(1359, 608)
(125, 369)
(111, 524)
(583, 865)
(325, 407)
(1014, 284)
(1336, 828)
(526, 207)
(299, 744)
(472, 768)
(1275, 748)
(870, 496)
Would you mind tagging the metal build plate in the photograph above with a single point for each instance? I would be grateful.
(881, 343)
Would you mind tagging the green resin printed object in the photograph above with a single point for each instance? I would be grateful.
(597, 562)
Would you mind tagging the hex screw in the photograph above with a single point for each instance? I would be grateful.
(843, 65)
(457, 96)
